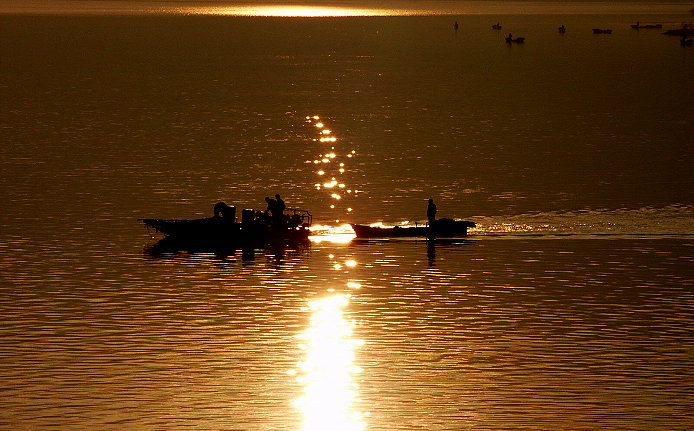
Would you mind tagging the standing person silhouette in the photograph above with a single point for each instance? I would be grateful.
(431, 212)
(278, 214)
(280, 205)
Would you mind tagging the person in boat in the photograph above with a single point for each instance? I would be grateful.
(280, 207)
(431, 212)
(271, 209)
(275, 210)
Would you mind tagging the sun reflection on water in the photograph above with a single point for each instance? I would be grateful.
(301, 11)
(335, 234)
(331, 169)
(326, 373)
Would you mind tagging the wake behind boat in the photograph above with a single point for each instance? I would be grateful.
(441, 228)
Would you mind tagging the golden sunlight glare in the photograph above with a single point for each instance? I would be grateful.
(330, 394)
(342, 234)
(301, 11)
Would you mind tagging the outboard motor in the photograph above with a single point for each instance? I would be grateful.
(225, 211)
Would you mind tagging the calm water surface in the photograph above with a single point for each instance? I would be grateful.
(569, 307)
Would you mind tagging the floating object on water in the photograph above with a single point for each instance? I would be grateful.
(223, 229)
(440, 228)
(685, 31)
(562, 29)
(638, 26)
(496, 26)
(602, 31)
(509, 39)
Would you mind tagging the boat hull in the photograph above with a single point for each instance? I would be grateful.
(647, 26)
(444, 228)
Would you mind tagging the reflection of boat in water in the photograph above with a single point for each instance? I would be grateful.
(223, 229)
(176, 245)
(602, 31)
(440, 228)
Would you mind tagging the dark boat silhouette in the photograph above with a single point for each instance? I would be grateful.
(685, 31)
(602, 31)
(509, 39)
(440, 228)
(223, 229)
(638, 26)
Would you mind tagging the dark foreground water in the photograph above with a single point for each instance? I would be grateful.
(511, 333)
(569, 307)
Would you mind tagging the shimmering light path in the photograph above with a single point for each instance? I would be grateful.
(330, 393)
(330, 168)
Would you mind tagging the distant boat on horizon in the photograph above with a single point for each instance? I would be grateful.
(638, 26)
(685, 31)
(509, 39)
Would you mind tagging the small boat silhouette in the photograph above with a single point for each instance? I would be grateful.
(685, 31)
(602, 31)
(638, 26)
(440, 228)
(224, 229)
(509, 39)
